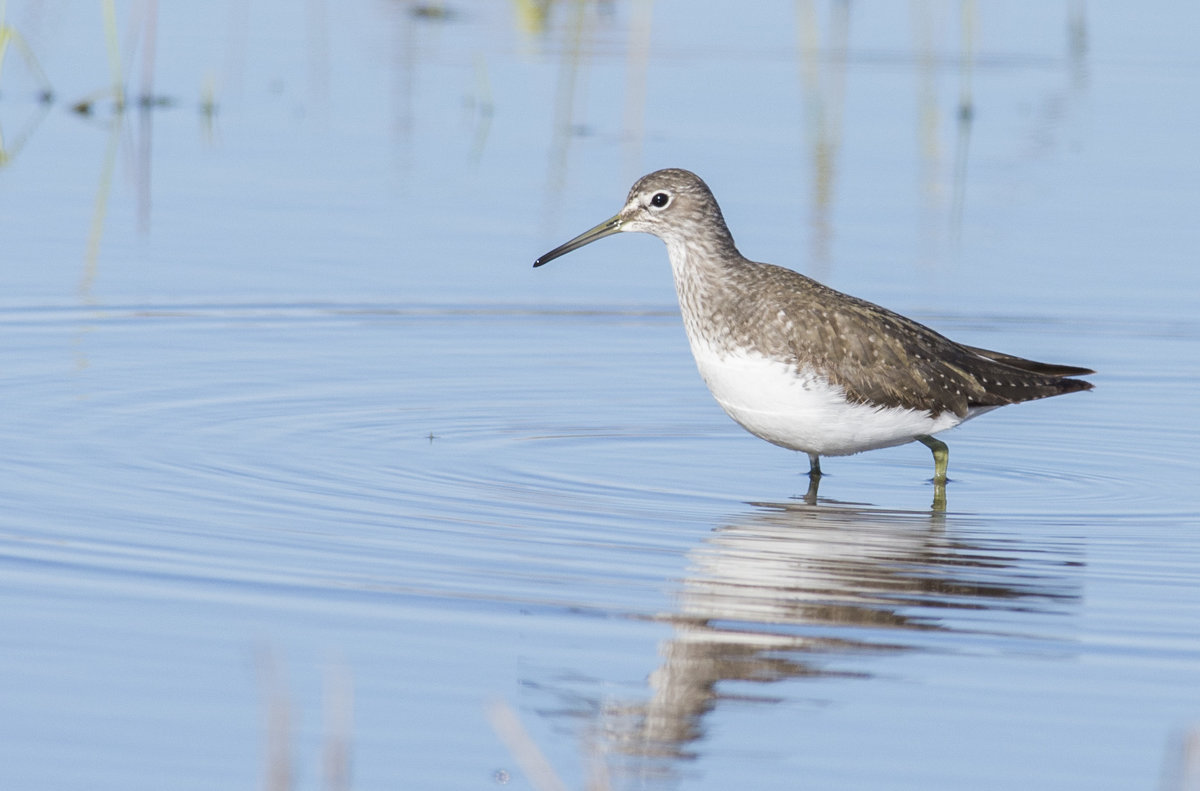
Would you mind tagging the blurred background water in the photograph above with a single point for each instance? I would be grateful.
(309, 480)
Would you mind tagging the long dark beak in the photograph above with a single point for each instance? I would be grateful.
(607, 228)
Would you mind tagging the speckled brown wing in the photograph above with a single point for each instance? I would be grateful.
(893, 361)
(1032, 366)
(880, 357)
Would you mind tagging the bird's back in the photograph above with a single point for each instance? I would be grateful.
(876, 355)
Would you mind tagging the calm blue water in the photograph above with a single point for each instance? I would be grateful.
(302, 459)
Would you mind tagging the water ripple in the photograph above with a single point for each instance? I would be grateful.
(466, 437)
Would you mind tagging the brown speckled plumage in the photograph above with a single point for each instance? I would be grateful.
(736, 309)
(878, 356)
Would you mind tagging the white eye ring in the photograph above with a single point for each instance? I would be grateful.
(660, 200)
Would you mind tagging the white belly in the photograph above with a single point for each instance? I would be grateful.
(803, 412)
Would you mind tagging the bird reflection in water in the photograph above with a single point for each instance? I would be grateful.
(794, 591)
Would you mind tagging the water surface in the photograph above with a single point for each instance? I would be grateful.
(305, 467)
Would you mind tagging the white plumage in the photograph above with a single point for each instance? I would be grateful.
(801, 411)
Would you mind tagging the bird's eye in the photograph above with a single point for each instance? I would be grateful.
(660, 200)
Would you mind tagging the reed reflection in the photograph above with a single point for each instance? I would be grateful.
(793, 591)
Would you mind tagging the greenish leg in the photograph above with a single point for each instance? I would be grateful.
(941, 456)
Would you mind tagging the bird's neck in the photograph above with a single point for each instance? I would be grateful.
(701, 259)
(706, 285)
